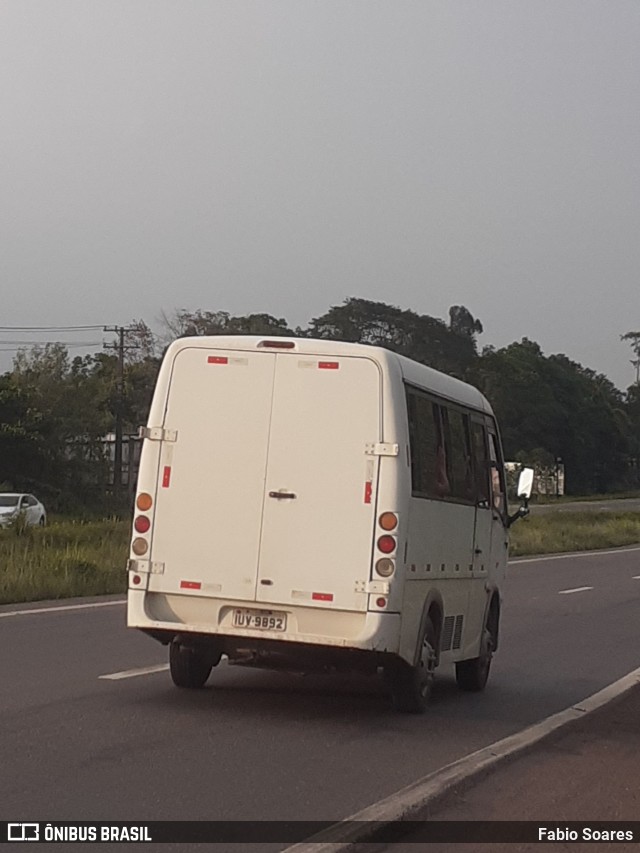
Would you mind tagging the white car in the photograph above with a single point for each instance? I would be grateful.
(13, 503)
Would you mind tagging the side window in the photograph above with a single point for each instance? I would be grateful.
(31, 501)
(422, 436)
(429, 475)
(497, 474)
(480, 463)
(440, 480)
(458, 454)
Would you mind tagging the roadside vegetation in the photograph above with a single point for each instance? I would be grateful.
(559, 531)
(82, 558)
(63, 560)
(612, 496)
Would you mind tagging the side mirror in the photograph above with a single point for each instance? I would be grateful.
(525, 483)
(525, 487)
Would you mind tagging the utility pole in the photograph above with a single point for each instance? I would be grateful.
(636, 363)
(120, 346)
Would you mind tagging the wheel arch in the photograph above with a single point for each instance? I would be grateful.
(432, 608)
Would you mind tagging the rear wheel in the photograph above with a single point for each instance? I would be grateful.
(411, 685)
(190, 666)
(472, 675)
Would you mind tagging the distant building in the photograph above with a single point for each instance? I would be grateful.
(547, 480)
(131, 447)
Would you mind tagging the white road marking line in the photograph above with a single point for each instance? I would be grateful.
(636, 578)
(577, 589)
(572, 555)
(132, 673)
(58, 609)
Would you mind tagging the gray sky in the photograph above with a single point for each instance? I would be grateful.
(283, 156)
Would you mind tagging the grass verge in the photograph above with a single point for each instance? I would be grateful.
(72, 558)
(63, 560)
(563, 499)
(559, 531)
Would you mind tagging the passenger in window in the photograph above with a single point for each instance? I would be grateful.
(496, 486)
(443, 487)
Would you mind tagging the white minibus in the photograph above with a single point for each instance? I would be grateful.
(310, 504)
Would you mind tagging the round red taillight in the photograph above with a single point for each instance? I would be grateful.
(136, 580)
(142, 524)
(381, 602)
(386, 544)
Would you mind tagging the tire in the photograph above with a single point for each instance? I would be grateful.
(42, 521)
(472, 675)
(190, 667)
(411, 685)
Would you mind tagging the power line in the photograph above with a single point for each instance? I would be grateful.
(48, 328)
(83, 345)
(47, 343)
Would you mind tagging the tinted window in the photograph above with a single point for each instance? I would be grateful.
(428, 472)
(497, 473)
(480, 463)
(441, 450)
(459, 454)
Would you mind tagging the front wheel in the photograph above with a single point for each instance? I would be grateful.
(190, 666)
(411, 685)
(472, 675)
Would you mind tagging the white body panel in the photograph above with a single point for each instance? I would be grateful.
(267, 485)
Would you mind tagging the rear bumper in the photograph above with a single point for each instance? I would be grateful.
(161, 614)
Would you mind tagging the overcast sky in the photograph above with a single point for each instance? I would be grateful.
(280, 156)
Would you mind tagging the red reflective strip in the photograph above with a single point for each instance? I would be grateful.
(322, 596)
(190, 585)
(328, 365)
(218, 359)
(368, 489)
(166, 477)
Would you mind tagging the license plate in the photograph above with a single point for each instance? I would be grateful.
(263, 620)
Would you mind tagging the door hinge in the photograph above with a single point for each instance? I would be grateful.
(158, 434)
(379, 587)
(381, 449)
(145, 567)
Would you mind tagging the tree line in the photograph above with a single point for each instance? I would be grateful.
(55, 411)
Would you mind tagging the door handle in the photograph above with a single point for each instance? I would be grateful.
(282, 495)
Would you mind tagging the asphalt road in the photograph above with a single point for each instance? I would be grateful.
(262, 746)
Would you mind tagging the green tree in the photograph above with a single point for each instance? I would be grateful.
(55, 416)
(554, 407)
(417, 336)
(634, 339)
(632, 411)
(462, 322)
(187, 323)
